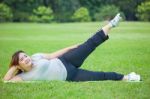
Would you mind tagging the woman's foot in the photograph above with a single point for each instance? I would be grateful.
(114, 22)
(132, 77)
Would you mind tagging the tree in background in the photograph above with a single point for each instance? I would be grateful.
(128, 7)
(42, 14)
(81, 15)
(144, 11)
(106, 12)
(64, 9)
(5, 13)
(22, 9)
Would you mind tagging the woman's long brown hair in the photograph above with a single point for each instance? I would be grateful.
(15, 60)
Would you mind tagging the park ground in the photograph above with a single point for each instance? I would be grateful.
(127, 50)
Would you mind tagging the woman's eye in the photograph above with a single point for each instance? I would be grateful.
(21, 59)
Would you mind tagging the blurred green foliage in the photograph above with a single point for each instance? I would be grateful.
(42, 14)
(106, 12)
(81, 15)
(66, 10)
(5, 13)
(144, 11)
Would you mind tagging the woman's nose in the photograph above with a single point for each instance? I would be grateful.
(26, 60)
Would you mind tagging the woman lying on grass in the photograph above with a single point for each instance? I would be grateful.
(64, 64)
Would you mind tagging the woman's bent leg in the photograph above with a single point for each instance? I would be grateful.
(78, 55)
(85, 75)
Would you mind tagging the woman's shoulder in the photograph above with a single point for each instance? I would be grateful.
(37, 56)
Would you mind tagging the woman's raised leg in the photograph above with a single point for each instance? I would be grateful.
(78, 55)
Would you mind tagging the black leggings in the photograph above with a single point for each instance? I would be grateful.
(74, 58)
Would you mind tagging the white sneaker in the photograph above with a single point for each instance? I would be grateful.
(114, 22)
(133, 77)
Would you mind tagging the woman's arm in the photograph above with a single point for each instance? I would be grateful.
(60, 52)
(14, 80)
(11, 73)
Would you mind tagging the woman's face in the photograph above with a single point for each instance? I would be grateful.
(25, 62)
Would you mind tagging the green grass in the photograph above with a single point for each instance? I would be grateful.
(127, 50)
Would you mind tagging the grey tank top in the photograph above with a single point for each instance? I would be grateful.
(44, 69)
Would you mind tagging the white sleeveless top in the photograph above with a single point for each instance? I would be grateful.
(44, 69)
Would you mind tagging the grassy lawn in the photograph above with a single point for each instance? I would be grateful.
(127, 50)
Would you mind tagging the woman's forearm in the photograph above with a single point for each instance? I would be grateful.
(11, 73)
